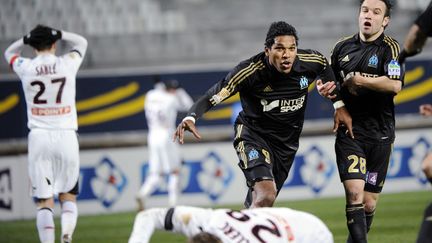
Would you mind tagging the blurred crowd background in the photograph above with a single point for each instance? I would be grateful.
(177, 33)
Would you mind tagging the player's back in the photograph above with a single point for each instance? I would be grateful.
(49, 86)
(160, 110)
(268, 225)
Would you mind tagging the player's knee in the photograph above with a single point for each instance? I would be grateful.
(370, 205)
(265, 200)
(354, 195)
(45, 202)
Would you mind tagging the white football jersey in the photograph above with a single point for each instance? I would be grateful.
(49, 84)
(161, 108)
(273, 225)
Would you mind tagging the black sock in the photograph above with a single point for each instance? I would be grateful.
(425, 233)
(356, 221)
(369, 219)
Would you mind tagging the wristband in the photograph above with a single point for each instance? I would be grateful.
(338, 104)
(189, 118)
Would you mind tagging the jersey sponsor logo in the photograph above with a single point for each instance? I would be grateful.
(253, 154)
(345, 59)
(269, 107)
(373, 61)
(52, 111)
(304, 82)
(285, 105)
(394, 68)
(293, 104)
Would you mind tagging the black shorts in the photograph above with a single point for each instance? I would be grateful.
(74, 190)
(359, 160)
(260, 159)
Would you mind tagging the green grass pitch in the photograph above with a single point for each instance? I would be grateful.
(397, 220)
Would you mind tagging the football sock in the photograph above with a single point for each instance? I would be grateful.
(173, 189)
(69, 217)
(369, 219)
(356, 222)
(45, 225)
(425, 233)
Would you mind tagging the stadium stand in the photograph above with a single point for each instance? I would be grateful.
(169, 32)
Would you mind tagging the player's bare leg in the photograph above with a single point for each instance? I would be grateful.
(264, 194)
(355, 211)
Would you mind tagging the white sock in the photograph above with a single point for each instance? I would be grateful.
(173, 189)
(149, 186)
(69, 217)
(45, 225)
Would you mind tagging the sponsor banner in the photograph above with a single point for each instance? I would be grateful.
(110, 178)
(15, 200)
(115, 103)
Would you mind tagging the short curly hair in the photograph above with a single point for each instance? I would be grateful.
(278, 29)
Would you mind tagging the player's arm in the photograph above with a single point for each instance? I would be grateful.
(181, 219)
(390, 82)
(327, 88)
(221, 91)
(414, 42)
(417, 35)
(14, 51)
(78, 42)
(380, 84)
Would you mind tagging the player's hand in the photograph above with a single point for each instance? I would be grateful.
(325, 89)
(425, 109)
(187, 125)
(352, 82)
(342, 116)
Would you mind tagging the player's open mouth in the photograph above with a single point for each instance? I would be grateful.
(286, 64)
(367, 24)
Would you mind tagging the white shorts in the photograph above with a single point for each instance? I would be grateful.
(164, 153)
(53, 161)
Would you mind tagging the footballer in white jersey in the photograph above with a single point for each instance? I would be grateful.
(273, 225)
(161, 106)
(48, 82)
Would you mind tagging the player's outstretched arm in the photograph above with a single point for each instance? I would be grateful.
(145, 223)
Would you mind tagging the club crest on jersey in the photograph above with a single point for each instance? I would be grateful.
(253, 154)
(304, 82)
(373, 61)
(394, 68)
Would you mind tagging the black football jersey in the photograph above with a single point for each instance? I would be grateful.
(273, 103)
(372, 112)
